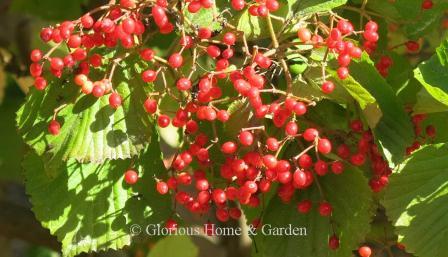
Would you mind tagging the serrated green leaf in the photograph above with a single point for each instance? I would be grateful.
(433, 75)
(386, 116)
(306, 7)
(426, 103)
(309, 86)
(89, 207)
(91, 130)
(399, 72)
(241, 116)
(203, 18)
(429, 19)
(174, 246)
(257, 27)
(351, 215)
(329, 115)
(415, 201)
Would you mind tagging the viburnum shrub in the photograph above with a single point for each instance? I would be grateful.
(285, 111)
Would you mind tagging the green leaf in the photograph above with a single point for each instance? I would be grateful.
(203, 18)
(12, 155)
(386, 116)
(306, 7)
(415, 201)
(257, 27)
(49, 9)
(351, 200)
(329, 115)
(433, 75)
(91, 130)
(241, 116)
(429, 20)
(174, 246)
(89, 207)
(426, 103)
(399, 72)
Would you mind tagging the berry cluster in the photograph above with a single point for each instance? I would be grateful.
(420, 138)
(253, 161)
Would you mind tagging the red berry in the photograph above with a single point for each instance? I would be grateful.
(431, 131)
(345, 27)
(159, 15)
(96, 60)
(149, 76)
(175, 60)
(304, 206)
(162, 187)
(270, 161)
(183, 84)
(358, 159)
(204, 33)
(246, 138)
(36, 55)
(304, 34)
(87, 21)
(163, 121)
(130, 177)
(253, 10)
(202, 184)
(371, 26)
(300, 178)
(337, 167)
(355, 52)
(335, 34)
(128, 25)
(343, 72)
(310, 134)
(150, 105)
(54, 127)
(115, 100)
(364, 251)
(327, 87)
(344, 59)
(272, 5)
(228, 147)
(171, 225)
(356, 126)
(219, 196)
(272, 144)
(229, 38)
(371, 36)
(412, 46)
(427, 4)
(333, 242)
(98, 91)
(325, 209)
(238, 5)
(46, 34)
(223, 115)
(321, 167)
(57, 63)
(194, 6)
(128, 4)
(40, 83)
(147, 54)
(291, 128)
(222, 215)
(324, 146)
(263, 10)
(305, 161)
(213, 51)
